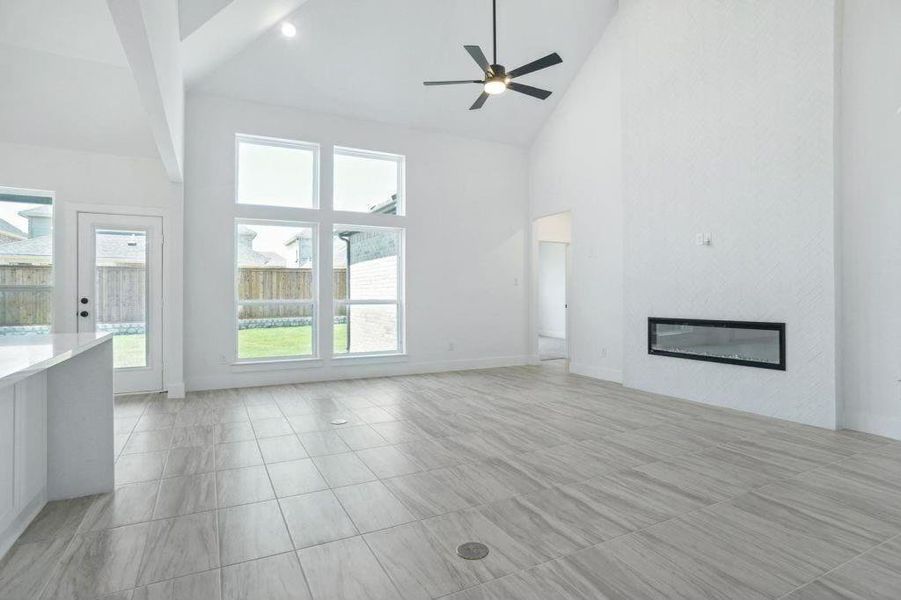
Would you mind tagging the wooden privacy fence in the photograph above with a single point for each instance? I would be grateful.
(281, 284)
(26, 293)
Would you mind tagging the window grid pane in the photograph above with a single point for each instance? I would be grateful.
(368, 182)
(26, 264)
(366, 262)
(275, 290)
(275, 173)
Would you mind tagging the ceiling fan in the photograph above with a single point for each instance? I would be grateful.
(497, 79)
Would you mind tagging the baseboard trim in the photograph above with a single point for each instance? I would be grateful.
(875, 424)
(175, 390)
(596, 372)
(337, 373)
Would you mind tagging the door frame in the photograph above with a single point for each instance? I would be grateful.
(150, 377)
(535, 244)
(65, 244)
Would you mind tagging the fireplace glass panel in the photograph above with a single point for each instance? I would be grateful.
(752, 344)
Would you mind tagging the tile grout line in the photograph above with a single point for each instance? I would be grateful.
(835, 568)
(294, 551)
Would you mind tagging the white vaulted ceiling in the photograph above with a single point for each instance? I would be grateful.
(367, 59)
(65, 79)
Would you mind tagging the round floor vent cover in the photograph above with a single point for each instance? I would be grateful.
(339, 421)
(472, 551)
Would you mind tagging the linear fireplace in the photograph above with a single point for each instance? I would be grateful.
(747, 343)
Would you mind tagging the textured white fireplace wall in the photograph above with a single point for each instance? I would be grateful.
(728, 128)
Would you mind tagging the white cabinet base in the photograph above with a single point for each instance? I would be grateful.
(56, 433)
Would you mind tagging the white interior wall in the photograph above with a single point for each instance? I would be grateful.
(465, 244)
(86, 180)
(575, 165)
(552, 289)
(871, 214)
(728, 128)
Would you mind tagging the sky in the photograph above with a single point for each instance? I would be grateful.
(9, 213)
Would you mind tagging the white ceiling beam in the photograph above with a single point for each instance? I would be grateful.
(149, 32)
(228, 31)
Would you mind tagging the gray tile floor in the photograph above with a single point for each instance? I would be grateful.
(581, 489)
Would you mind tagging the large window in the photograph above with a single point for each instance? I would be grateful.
(371, 182)
(367, 305)
(277, 276)
(276, 289)
(26, 262)
(275, 172)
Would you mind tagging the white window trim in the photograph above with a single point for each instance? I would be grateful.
(399, 159)
(279, 143)
(400, 350)
(314, 302)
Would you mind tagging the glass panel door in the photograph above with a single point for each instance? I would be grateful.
(120, 292)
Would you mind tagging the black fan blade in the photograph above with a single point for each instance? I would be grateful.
(479, 102)
(542, 63)
(477, 55)
(529, 90)
(450, 82)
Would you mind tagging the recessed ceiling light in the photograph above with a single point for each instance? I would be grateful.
(289, 30)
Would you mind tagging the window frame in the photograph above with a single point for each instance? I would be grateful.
(314, 301)
(260, 140)
(399, 159)
(398, 302)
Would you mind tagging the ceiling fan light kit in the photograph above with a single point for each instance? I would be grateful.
(496, 79)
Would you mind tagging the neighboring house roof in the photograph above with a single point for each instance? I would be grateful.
(45, 210)
(36, 246)
(385, 207)
(248, 257)
(10, 229)
(273, 259)
(109, 246)
(119, 247)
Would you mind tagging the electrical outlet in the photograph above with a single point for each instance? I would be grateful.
(450, 346)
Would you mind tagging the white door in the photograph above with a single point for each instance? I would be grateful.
(120, 290)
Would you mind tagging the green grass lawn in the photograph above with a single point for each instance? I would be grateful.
(129, 350)
(282, 341)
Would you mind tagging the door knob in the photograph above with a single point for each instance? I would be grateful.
(84, 300)
(83, 313)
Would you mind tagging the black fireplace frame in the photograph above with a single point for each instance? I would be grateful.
(779, 327)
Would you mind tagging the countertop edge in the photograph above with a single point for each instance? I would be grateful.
(43, 365)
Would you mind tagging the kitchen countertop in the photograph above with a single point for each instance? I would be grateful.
(25, 355)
